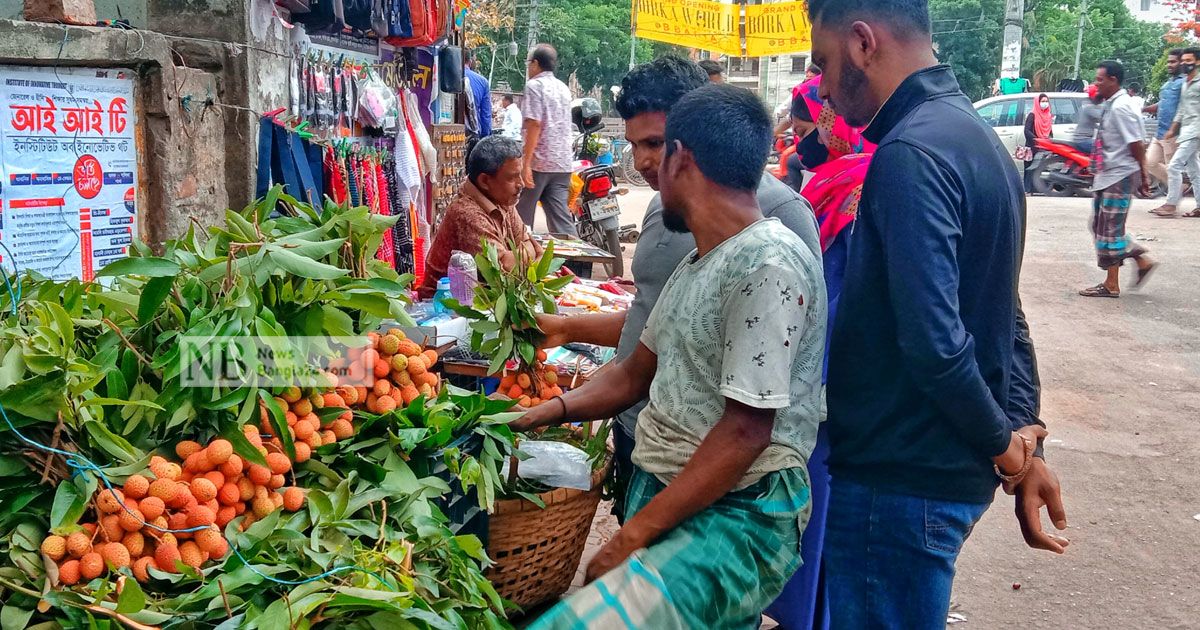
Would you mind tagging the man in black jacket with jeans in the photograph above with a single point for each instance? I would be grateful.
(933, 391)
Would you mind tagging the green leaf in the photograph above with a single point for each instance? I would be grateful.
(69, 505)
(315, 250)
(241, 445)
(373, 303)
(501, 309)
(111, 443)
(558, 283)
(532, 498)
(14, 618)
(116, 384)
(131, 599)
(336, 322)
(148, 267)
(279, 423)
(472, 546)
(62, 320)
(153, 295)
(303, 267)
(149, 404)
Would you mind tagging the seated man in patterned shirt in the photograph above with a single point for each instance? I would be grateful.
(485, 210)
(731, 358)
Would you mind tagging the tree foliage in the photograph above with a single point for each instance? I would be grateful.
(968, 35)
(592, 38)
(1111, 33)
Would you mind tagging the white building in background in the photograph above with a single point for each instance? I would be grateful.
(1150, 10)
(772, 78)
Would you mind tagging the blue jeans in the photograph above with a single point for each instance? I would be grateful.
(889, 558)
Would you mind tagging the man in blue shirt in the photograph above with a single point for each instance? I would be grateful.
(1162, 149)
(933, 393)
(481, 92)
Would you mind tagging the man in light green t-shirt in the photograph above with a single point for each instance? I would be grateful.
(731, 359)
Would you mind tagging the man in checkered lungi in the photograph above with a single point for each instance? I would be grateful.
(1119, 162)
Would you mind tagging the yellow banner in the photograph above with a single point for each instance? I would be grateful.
(702, 24)
(777, 29)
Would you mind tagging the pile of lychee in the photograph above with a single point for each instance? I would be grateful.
(139, 523)
(533, 386)
(401, 371)
(308, 431)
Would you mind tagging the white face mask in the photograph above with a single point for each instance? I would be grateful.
(1044, 106)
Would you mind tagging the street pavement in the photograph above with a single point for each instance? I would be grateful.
(1121, 396)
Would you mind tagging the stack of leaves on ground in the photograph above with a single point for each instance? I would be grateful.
(96, 379)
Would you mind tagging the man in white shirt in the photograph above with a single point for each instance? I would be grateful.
(510, 126)
(1120, 172)
(548, 137)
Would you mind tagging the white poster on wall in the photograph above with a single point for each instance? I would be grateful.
(68, 205)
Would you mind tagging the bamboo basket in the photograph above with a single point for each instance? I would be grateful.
(537, 551)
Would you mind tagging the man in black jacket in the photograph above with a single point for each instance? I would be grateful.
(933, 393)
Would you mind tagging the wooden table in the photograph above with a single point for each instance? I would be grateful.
(587, 253)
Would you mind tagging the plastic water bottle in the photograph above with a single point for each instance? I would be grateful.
(443, 292)
(463, 276)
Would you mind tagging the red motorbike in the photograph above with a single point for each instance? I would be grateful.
(784, 147)
(1061, 169)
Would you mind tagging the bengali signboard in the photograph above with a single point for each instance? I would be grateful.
(699, 24)
(781, 28)
(69, 166)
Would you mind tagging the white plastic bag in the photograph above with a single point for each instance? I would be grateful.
(555, 464)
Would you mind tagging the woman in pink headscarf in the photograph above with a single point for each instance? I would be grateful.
(838, 156)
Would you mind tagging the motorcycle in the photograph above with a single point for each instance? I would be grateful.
(783, 149)
(593, 200)
(1061, 169)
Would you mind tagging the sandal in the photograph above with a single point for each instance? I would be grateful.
(1194, 214)
(1099, 291)
(1163, 212)
(1143, 274)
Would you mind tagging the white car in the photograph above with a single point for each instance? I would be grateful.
(1006, 114)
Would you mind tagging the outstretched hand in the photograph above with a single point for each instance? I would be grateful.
(554, 331)
(1040, 488)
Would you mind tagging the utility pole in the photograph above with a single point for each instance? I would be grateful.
(1079, 39)
(633, 35)
(1010, 52)
(533, 23)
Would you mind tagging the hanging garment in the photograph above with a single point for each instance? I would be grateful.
(424, 144)
(407, 164)
(282, 159)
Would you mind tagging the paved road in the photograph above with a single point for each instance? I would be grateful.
(1121, 395)
(1121, 391)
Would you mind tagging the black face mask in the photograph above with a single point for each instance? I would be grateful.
(1186, 68)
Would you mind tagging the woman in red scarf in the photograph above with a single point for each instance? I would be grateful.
(1038, 124)
(838, 156)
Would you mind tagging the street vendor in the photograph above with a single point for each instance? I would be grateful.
(731, 359)
(485, 210)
